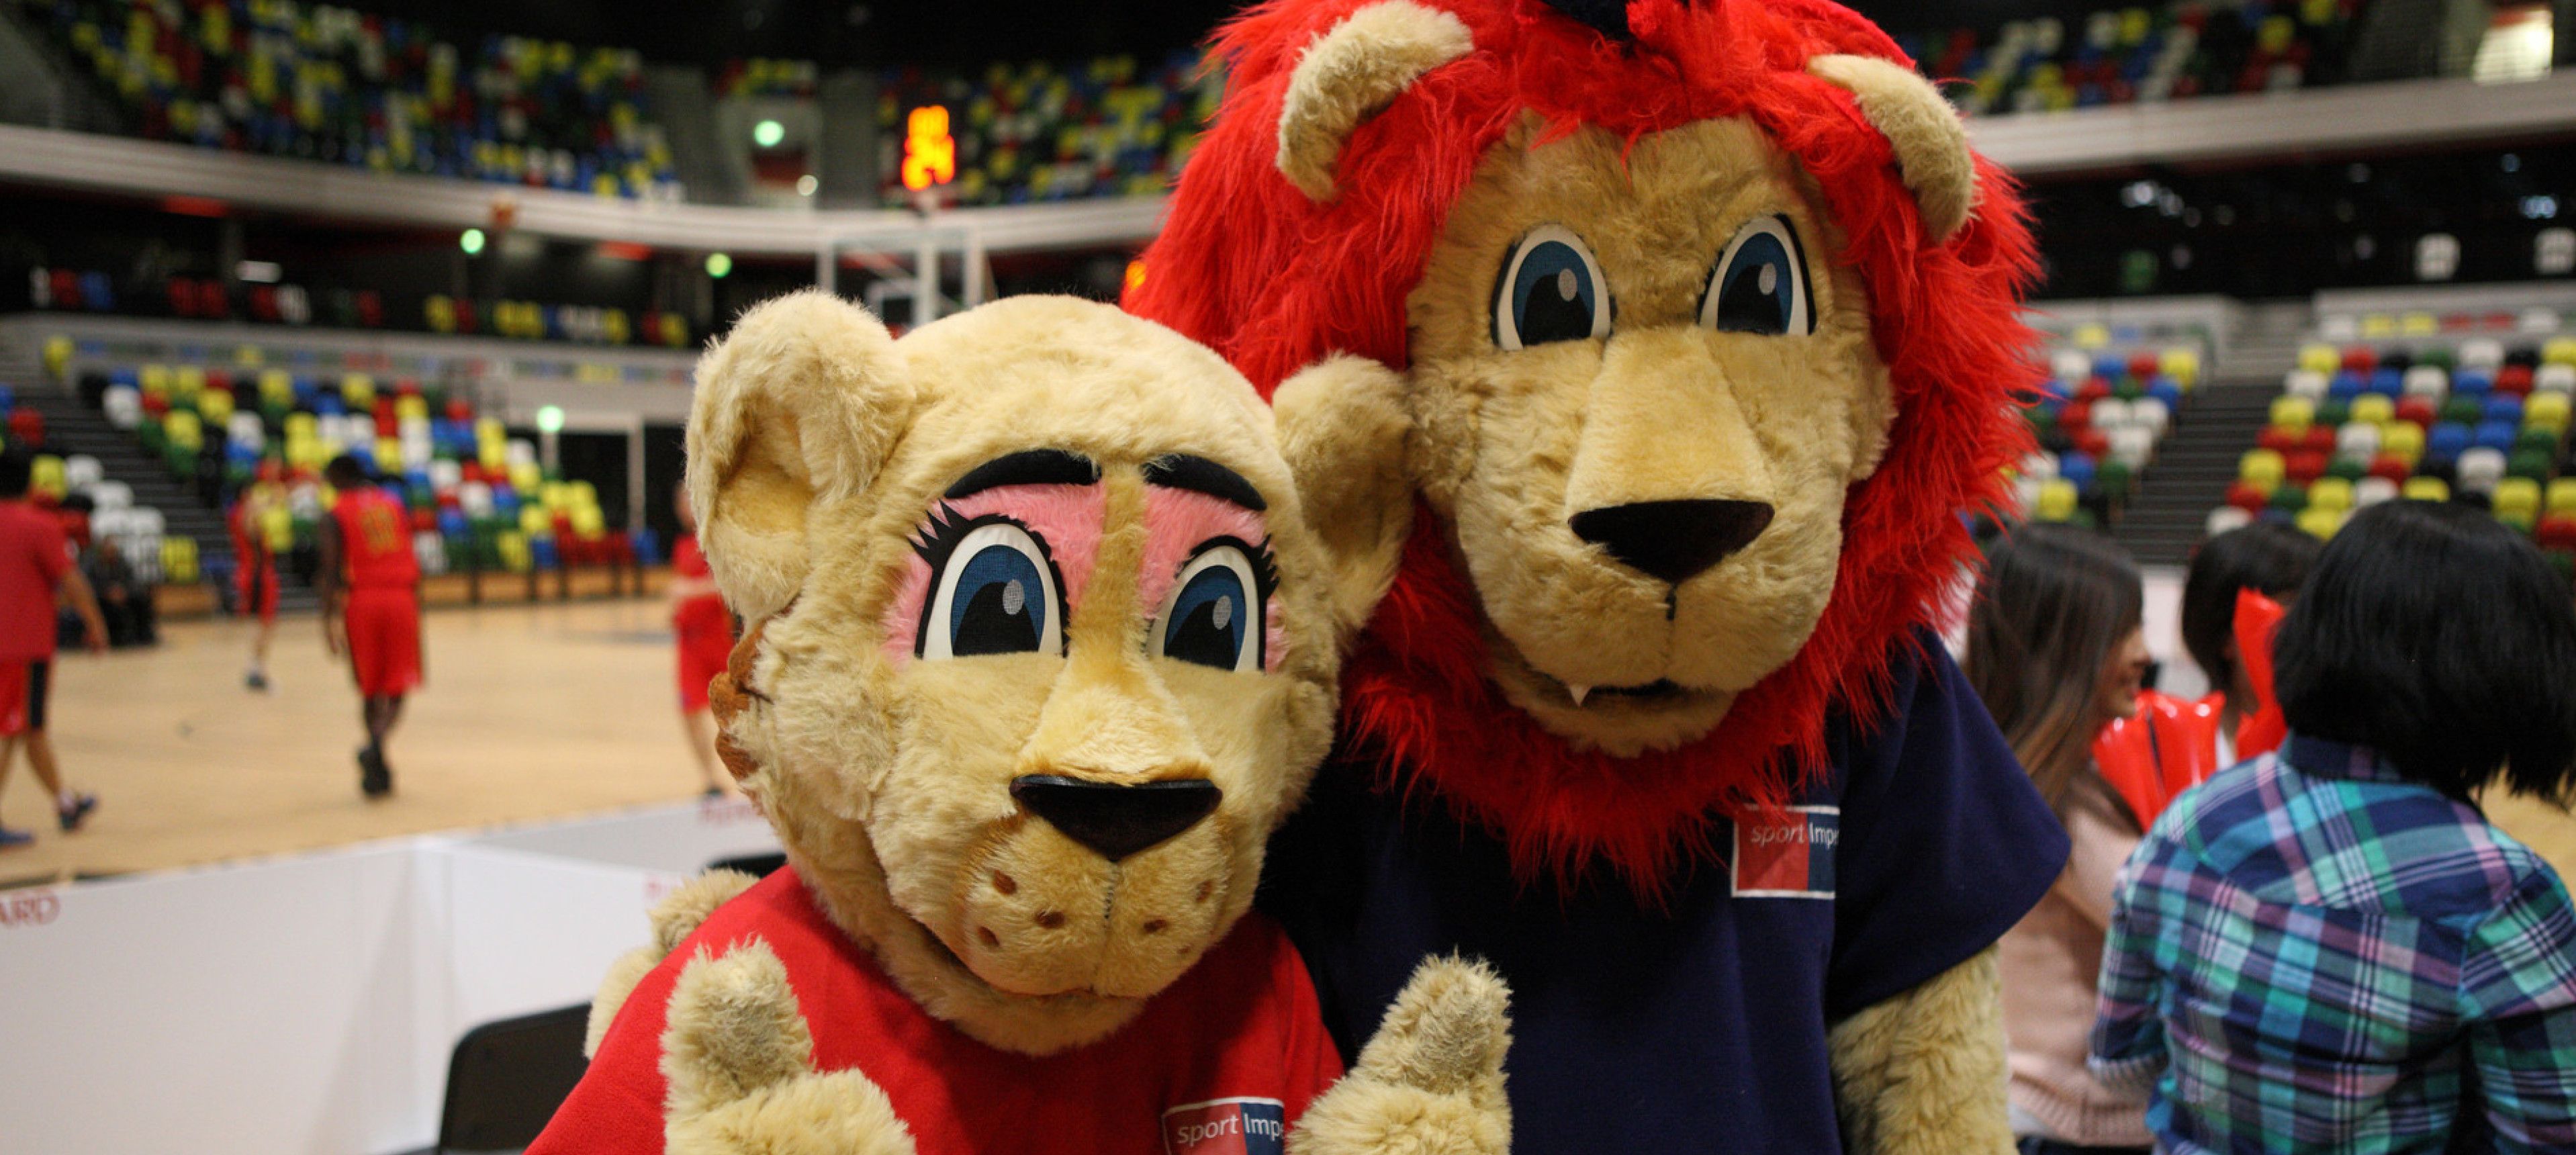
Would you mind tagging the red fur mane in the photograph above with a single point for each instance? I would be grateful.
(1275, 282)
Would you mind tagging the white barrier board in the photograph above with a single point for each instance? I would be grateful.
(308, 1003)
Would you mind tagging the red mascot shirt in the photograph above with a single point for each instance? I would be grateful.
(1220, 1062)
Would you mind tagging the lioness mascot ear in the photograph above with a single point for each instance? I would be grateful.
(1707, 321)
(1041, 649)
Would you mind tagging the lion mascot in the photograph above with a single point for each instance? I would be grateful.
(1707, 325)
(1041, 650)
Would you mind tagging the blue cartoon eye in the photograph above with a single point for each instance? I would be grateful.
(1761, 282)
(1550, 290)
(1217, 615)
(996, 594)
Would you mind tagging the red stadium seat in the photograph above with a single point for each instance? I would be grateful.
(2246, 497)
(2513, 379)
(2305, 466)
(2361, 358)
(2557, 531)
(2319, 439)
(2419, 410)
(2279, 440)
(2093, 389)
(2392, 467)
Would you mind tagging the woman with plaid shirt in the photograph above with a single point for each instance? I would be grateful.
(2329, 948)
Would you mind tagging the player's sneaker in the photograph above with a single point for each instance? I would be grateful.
(78, 812)
(257, 680)
(13, 839)
(375, 779)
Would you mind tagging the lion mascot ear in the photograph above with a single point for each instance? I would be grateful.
(1349, 74)
(1931, 144)
(1346, 433)
(799, 405)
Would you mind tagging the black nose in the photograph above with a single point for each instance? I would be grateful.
(1673, 540)
(1116, 820)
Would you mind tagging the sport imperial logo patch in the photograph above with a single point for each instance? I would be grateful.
(1226, 1127)
(1790, 856)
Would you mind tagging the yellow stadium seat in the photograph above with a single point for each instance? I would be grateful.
(179, 560)
(2057, 498)
(2546, 411)
(514, 552)
(556, 495)
(2375, 326)
(388, 454)
(2426, 489)
(215, 405)
(46, 476)
(276, 387)
(2373, 408)
(2320, 523)
(2260, 468)
(2419, 324)
(2091, 335)
(534, 521)
(2403, 440)
(490, 431)
(156, 381)
(184, 430)
(527, 478)
(358, 392)
(2330, 493)
(2559, 351)
(2183, 365)
(187, 381)
(2320, 359)
(58, 356)
(2561, 495)
(2517, 502)
(2293, 413)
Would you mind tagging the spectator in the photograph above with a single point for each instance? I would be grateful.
(2056, 650)
(704, 629)
(2328, 948)
(124, 598)
(36, 574)
(2172, 744)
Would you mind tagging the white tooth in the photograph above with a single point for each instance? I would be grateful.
(1579, 693)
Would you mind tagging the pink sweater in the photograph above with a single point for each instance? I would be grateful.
(2050, 963)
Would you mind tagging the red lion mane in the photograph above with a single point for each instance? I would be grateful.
(1275, 282)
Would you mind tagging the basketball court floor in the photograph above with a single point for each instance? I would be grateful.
(531, 713)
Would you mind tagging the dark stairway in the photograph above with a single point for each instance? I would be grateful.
(72, 428)
(2193, 469)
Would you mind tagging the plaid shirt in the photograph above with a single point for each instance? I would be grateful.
(2309, 953)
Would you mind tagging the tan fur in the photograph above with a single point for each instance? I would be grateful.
(1349, 74)
(1511, 444)
(741, 1067)
(889, 781)
(621, 980)
(674, 918)
(796, 406)
(1931, 144)
(1430, 1080)
(1347, 438)
(1923, 1073)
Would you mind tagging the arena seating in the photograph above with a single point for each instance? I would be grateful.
(2098, 420)
(759, 77)
(57, 477)
(478, 498)
(1038, 132)
(2140, 54)
(204, 298)
(324, 83)
(2478, 418)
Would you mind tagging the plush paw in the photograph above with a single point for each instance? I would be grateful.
(1430, 1082)
(675, 918)
(740, 1061)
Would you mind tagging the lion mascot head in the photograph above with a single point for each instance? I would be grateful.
(1708, 325)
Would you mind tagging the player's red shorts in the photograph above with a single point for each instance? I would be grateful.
(258, 586)
(702, 657)
(23, 690)
(384, 641)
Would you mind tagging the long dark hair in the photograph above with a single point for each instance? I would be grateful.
(2055, 602)
(2265, 557)
(2432, 633)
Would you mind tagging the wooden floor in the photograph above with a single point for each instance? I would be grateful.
(531, 712)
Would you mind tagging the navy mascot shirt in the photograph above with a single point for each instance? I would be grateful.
(1700, 1026)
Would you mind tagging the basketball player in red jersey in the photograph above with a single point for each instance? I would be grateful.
(704, 628)
(257, 575)
(370, 585)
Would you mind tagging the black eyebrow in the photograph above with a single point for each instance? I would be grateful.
(1200, 475)
(1027, 467)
